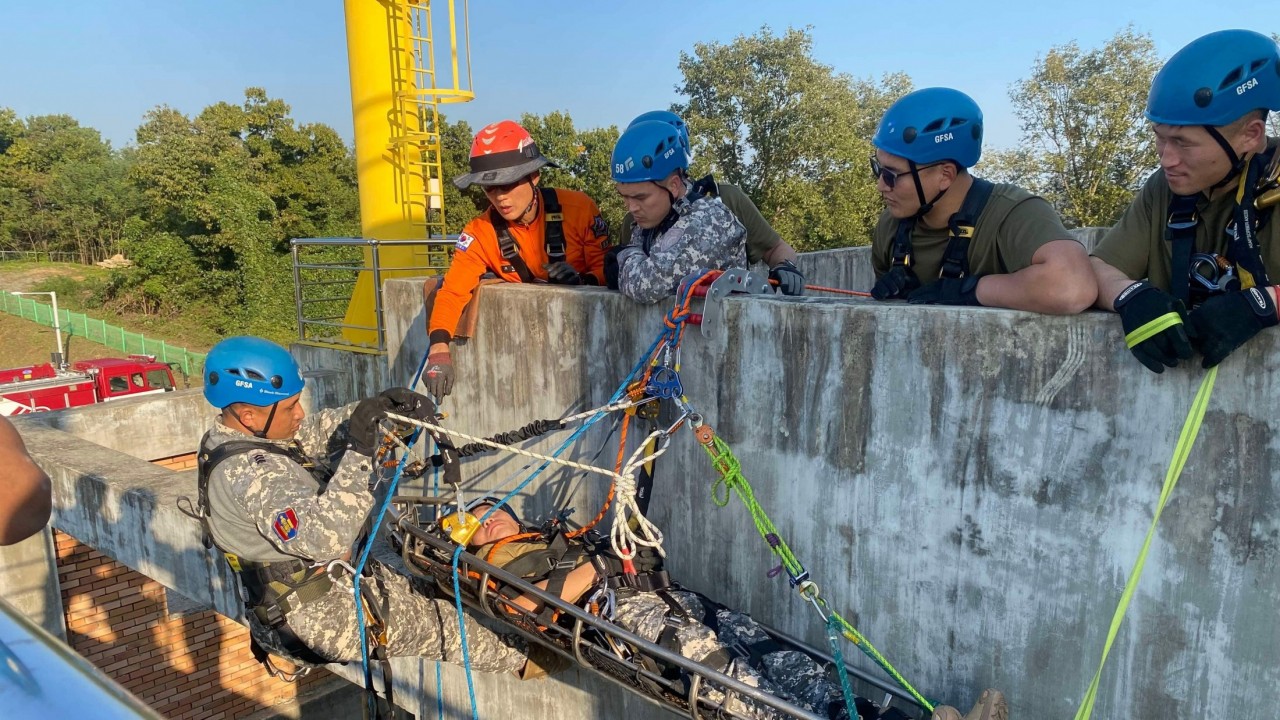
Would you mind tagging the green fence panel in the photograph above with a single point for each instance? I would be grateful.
(99, 331)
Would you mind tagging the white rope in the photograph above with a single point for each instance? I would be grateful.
(622, 535)
(624, 538)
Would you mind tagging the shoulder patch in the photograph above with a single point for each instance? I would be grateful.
(464, 241)
(286, 525)
(599, 226)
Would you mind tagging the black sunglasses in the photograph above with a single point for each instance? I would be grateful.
(890, 177)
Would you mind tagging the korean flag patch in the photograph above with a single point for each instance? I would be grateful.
(286, 525)
(464, 241)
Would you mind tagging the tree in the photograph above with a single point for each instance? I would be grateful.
(790, 131)
(1083, 126)
(583, 157)
(63, 187)
(225, 192)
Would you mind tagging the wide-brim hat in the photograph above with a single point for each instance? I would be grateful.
(497, 170)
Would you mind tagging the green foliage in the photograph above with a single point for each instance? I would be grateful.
(225, 192)
(583, 157)
(1086, 145)
(794, 134)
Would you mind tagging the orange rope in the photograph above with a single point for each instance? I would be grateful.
(838, 291)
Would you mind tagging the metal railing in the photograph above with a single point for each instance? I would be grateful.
(325, 271)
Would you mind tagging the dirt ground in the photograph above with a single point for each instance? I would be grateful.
(23, 342)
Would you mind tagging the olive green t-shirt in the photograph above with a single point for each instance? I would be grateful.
(1136, 246)
(761, 237)
(1012, 227)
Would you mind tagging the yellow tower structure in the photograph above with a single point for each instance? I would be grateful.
(399, 79)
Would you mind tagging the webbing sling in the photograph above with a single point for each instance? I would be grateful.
(955, 259)
(1180, 231)
(553, 234)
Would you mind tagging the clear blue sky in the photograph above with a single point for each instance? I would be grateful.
(107, 63)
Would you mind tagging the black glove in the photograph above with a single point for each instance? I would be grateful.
(1225, 322)
(790, 280)
(614, 258)
(438, 377)
(362, 428)
(562, 273)
(947, 291)
(895, 284)
(1141, 304)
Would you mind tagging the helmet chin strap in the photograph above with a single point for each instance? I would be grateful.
(262, 434)
(1237, 162)
(925, 207)
(533, 204)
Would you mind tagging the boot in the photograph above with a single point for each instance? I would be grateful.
(543, 662)
(991, 706)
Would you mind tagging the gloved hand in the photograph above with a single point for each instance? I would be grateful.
(947, 291)
(1141, 306)
(1225, 322)
(562, 273)
(895, 284)
(790, 280)
(614, 258)
(438, 377)
(362, 428)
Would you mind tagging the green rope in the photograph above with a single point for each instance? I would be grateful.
(731, 480)
(1187, 439)
(833, 639)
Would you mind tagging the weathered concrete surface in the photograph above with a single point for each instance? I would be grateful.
(127, 508)
(29, 581)
(970, 486)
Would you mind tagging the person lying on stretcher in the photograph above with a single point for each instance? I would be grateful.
(647, 604)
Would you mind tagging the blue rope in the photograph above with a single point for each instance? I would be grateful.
(457, 554)
(364, 558)
(834, 634)
(435, 512)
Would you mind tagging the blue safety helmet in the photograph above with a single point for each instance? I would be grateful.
(649, 151)
(250, 370)
(671, 119)
(932, 125)
(1216, 80)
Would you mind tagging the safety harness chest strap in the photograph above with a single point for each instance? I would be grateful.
(553, 235)
(955, 259)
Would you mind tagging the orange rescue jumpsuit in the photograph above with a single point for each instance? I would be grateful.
(586, 238)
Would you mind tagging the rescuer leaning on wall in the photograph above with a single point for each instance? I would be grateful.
(25, 499)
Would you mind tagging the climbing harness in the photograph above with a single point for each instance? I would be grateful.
(955, 259)
(1257, 192)
(553, 233)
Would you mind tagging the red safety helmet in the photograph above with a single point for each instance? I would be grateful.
(501, 154)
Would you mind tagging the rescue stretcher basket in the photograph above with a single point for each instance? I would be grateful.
(599, 645)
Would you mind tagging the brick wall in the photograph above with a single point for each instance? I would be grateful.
(183, 664)
(186, 461)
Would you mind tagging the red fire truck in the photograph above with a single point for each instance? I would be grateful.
(38, 388)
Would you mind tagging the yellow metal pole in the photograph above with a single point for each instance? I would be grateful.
(381, 66)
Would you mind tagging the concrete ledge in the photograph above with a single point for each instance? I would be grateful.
(969, 486)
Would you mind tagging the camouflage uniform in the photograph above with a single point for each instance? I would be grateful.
(265, 507)
(706, 236)
(786, 674)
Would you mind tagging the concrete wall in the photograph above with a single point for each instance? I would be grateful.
(970, 486)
